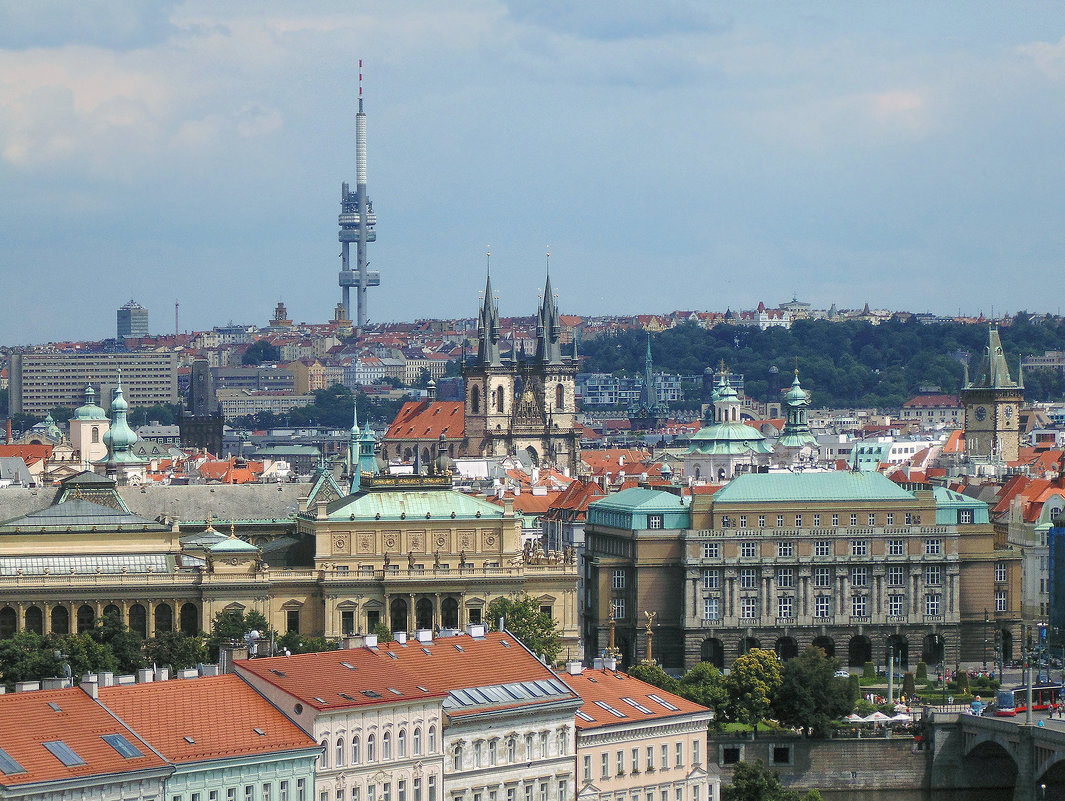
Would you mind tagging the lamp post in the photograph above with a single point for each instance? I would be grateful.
(890, 675)
(986, 621)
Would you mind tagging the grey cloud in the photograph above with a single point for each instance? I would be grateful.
(116, 24)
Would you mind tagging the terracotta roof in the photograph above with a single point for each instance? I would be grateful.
(417, 670)
(219, 714)
(925, 401)
(612, 688)
(30, 453)
(77, 721)
(528, 504)
(428, 420)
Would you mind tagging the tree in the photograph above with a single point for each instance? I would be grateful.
(232, 625)
(84, 654)
(654, 675)
(297, 643)
(523, 618)
(27, 657)
(810, 695)
(754, 678)
(176, 649)
(383, 632)
(260, 351)
(753, 781)
(124, 644)
(704, 684)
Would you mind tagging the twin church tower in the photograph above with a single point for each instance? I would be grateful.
(518, 402)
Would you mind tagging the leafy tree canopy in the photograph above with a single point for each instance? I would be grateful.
(260, 351)
(233, 624)
(297, 643)
(176, 649)
(704, 684)
(753, 781)
(843, 364)
(124, 644)
(810, 696)
(537, 630)
(754, 679)
(653, 674)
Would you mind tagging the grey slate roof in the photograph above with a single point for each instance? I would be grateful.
(79, 514)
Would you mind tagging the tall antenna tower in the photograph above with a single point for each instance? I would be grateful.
(357, 222)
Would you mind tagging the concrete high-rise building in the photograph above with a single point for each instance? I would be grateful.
(357, 222)
(132, 321)
(42, 381)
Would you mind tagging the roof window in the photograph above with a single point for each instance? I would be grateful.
(64, 753)
(123, 746)
(9, 766)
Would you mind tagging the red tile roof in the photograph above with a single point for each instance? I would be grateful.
(428, 420)
(611, 688)
(79, 721)
(219, 714)
(926, 401)
(318, 679)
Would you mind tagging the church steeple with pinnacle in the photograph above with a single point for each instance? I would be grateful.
(548, 326)
(796, 433)
(488, 329)
(992, 402)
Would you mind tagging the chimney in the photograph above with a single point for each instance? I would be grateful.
(27, 686)
(320, 512)
(9, 431)
(574, 668)
(145, 676)
(424, 635)
(162, 674)
(400, 637)
(352, 641)
(209, 670)
(476, 630)
(90, 687)
(371, 640)
(508, 507)
(597, 663)
(107, 678)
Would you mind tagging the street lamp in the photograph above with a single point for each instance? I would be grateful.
(986, 621)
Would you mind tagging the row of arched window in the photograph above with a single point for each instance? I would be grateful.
(498, 399)
(345, 752)
(57, 619)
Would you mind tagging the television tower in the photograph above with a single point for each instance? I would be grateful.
(357, 222)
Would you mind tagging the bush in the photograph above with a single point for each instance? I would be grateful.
(961, 681)
(908, 686)
(922, 672)
(869, 671)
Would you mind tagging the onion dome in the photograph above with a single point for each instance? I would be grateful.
(90, 411)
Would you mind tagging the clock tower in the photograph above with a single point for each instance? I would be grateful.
(992, 403)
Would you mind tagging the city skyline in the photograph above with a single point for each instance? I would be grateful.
(671, 158)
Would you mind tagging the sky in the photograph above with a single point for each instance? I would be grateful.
(669, 155)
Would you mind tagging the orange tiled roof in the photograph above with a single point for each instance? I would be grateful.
(221, 722)
(29, 453)
(428, 420)
(926, 401)
(79, 722)
(528, 504)
(612, 688)
(318, 679)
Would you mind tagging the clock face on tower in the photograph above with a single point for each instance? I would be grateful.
(1009, 412)
(981, 413)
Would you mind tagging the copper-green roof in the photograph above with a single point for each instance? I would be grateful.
(411, 503)
(643, 500)
(728, 438)
(797, 487)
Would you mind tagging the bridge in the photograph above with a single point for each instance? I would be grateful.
(1000, 757)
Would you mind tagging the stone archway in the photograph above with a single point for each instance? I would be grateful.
(86, 618)
(900, 649)
(423, 614)
(190, 620)
(826, 644)
(933, 649)
(786, 648)
(398, 614)
(989, 767)
(713, 651)
(8, 622)
(748, 644)
(859, 651)
(449, 613)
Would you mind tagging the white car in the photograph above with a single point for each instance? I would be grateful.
(842, 674)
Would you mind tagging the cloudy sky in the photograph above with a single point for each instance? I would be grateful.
(672, 155)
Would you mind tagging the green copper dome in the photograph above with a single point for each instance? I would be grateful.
(796, 394)
(90, 411)
(120, 438)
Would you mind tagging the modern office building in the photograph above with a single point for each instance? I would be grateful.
(42, 381)
(132, 321)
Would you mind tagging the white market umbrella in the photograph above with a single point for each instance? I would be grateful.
(854, 717)
(901, 717)
(876, 717)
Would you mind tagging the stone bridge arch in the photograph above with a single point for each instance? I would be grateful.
(989, 765)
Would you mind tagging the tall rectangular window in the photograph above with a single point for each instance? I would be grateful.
(896, 605)
(933, 603)
(860, 576)
(711, 550)
(891, 518)
(432, 788)
(785, 577)
(835, 520)
(587, 768)
(743, 521)
(1000, 571)
(711, 579)
(748, 580)
(748, 549)
(896, 548)
(617, 608)
(780, 521)
(712, 608)
(854, 519)
(748, 607)
(786, 548)
(822, 577)
(859, 605)
(933, 574)
(823, 606)
(933, 547)
(604, 767)
(859, 547)
(872, 518)
(1001, 601)
(761, 521)
(817, 521)
(785, 606)
(618, 580)
(822, 547)
(798, 521)
(895, 577)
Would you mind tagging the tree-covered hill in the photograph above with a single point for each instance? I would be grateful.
(843, 364)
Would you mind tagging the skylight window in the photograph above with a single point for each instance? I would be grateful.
(633, 703)
(585, 716)
(372, 694)
(427, 652)
(394, 691)
(349, 666)
(64, 753)
(319, 700)
(9, 766)
(393, 656)
(259, 731)
(123, 746)
(54, 706)
(616, 713)
(423, 689)
(666, 704)
(345, 695)
(189, 739)
(504, 643)
(459, 648)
